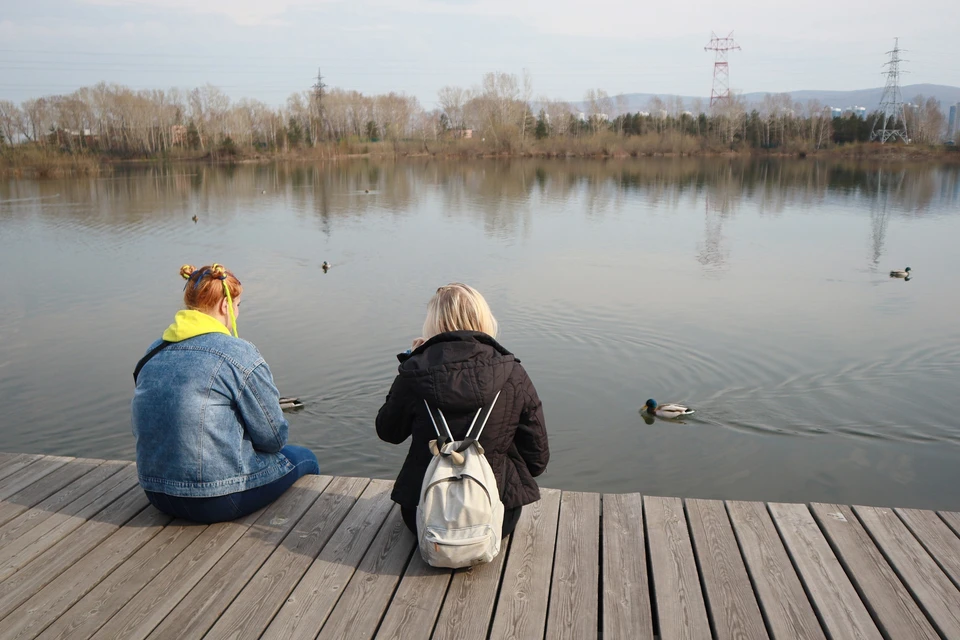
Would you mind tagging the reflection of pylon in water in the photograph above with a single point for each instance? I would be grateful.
(712, 252)
(887, 183)
(720, 199)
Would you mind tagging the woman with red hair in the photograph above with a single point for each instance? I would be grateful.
(211, 437)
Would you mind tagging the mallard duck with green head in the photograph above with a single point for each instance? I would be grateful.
(668, 411)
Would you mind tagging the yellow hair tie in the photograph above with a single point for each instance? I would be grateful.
(233, 318)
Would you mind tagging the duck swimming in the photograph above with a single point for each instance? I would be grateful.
(900, 273)
(326, 265)
(668, 411)
(290, 404)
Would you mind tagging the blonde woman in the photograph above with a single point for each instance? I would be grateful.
(458, 366)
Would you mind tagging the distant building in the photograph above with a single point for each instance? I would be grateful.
(602, 117)
(953, 124)
(857, 111)
(463, 133)
(836, 112)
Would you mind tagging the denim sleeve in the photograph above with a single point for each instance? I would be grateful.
(259, 405)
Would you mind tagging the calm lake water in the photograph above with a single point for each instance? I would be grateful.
(756, 292)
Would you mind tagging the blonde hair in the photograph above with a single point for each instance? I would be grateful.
(458, 307)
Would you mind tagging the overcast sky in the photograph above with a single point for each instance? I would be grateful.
(266, 49)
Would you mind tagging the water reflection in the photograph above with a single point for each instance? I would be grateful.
(496, 192)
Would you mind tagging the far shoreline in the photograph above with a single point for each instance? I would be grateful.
(39, 163)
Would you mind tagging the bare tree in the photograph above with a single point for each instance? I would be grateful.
(12, 121)
(526, 95)
(925, 120)
(452, 100)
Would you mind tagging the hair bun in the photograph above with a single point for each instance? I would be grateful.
(218, 271)
(186, 271)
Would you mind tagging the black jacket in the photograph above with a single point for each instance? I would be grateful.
(459, 372)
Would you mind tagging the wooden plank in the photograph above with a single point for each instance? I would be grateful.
(937, 538)
(931, 588)
(627, 611)
(6, 457)
(307, 608)
(266, 592)
(839, 606)
(366, 596)
(879, 587)
(146, 609)
(61, 556)
(44, 607)
(44, 488)
(782, 600)
(522, 606)
(415, 605)
(89, 613)
(79, 513)
(33, 473)
(952, 520)
(18, 463)
(32, 517)
(574, 589)
(676, 583)
(199, 610)
(472, 594)
(731, 603)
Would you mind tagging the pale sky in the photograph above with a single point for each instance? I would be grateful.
(266, 50)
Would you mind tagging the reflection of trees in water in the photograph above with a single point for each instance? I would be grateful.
(502, 194)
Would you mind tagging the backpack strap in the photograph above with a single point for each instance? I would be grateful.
(468, 439)
(484, 423)
(145, 359)
(441, 439)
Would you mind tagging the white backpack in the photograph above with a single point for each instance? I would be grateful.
(460, 515)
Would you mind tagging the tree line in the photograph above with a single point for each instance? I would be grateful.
(498, 115)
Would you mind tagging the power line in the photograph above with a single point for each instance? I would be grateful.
(893, 123)
(720, 92)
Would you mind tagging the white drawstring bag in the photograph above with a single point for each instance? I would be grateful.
(460, 515)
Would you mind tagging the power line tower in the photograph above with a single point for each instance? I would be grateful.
(892, 123)
(318, 88)
(721, 70)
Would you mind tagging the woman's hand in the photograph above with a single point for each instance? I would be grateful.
(417, 342)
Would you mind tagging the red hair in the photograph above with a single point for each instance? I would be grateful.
(205, 286)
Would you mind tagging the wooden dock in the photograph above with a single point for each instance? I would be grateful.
(83, 555)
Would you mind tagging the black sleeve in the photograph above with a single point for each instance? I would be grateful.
(531, 438)
(395, 418)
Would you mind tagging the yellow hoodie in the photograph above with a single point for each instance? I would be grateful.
(189, 324)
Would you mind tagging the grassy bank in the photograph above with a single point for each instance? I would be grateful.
(27, 161)
(34, 162)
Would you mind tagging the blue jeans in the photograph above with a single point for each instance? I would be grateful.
(237, 505)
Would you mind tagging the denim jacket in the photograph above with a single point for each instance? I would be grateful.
(206, 415)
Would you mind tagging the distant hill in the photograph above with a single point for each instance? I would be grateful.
(869, 98)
